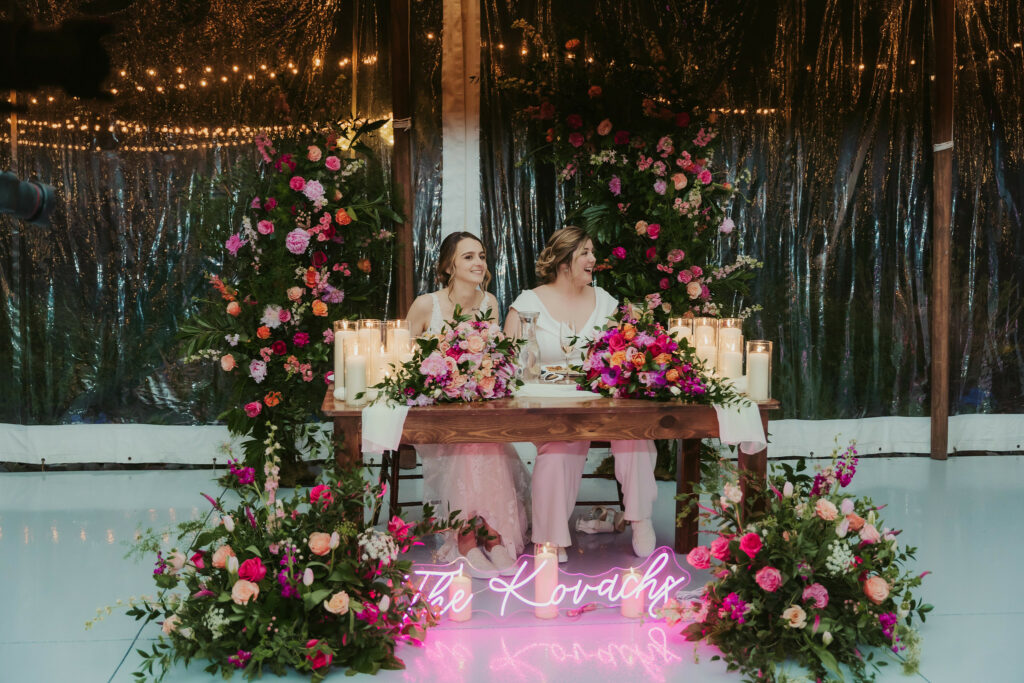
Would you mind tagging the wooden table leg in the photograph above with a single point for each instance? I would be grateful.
(348, 441)
(687, 477)
(753, 467)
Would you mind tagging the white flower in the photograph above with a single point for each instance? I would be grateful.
(846, 507)
(871, 517)
(842, 528)
(307, 577)
(733, 492)
(826, 637)
(271, 316)
(335, 540)
(787, 489)
(232, 565)
(384, 603)
(229, 523)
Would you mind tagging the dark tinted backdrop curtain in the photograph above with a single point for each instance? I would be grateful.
(841, 197)
(91, 304)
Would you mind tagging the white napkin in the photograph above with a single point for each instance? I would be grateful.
(542, 390)
(382, 426)
(741, 424)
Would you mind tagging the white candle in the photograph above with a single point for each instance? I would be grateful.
(460, 598)
(632, 596)
(355, 376)
(758, 378)
(730, 338)
(730, 364)
(705, 336)
(545, 564)
(706, 352)
(398, 341)
(339, 362)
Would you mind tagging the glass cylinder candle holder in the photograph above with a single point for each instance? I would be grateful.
(681, 328)
(705, 340)
(371, 338)
(730, 348)
(356, 370)
(343, 331)
(397, 340)
(759, 370)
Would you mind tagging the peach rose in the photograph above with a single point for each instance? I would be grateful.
(263, 332)
(693, 290)
(319, 308)
(319, 543)
(826, 509)
(227, 362)
(856, 521)
(672, 375)
(363, 264)
(876, 589)
(338, 604)
(313, 153)
(486, 385)
(234, 308)
(795, 615)
(475, 343)
(628, 332)
(641, 227)
(604, 127)
(663, 358)
(617, 359)
(243, 591)
(639, 359)
(679, 180)
(170, 624)
(294, 293)
(869, 534)
(221, 555)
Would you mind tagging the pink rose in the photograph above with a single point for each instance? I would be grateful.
(621, 137)
(660, 186)
(332, 163)
(876, 589)
(604, 127)
(294, 293)
(297, 183)
(576, 139)
(679, 180)
(265, 227)
(693, 290)
(243, 591)
(619, 253)
(727, 226)
(664, 283)
(270, 203)
(817, 593)
(253, 409)
(321, 494)
(699, 557)
(313, 153)
(750, 544)
(769, 579)
(319, 543)
(574, 121)
(684, 276)
(284, 315)
(227, 362)
(221, 555)
(697, 271)
(234, 308)
(297, 241)
(653, 230)
(826, 509)
(300, 339)
(252, 570)
(704, 177)
(651, 254)
(869, 534)
(720, 548)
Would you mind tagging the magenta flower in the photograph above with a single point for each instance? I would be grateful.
(240, 658)
(234, 243)
(576, 139)
(255, 204)
(653, 230)
(297, 183)
(704, 177)
(253, 409)
(769, 579)
(817, 593)
(660, 186)
(332, 163)
(297, 241)
(300, 339)
(575, 121)
(619, 253)
(615, 186)
(265, 227)
(621, 137)
(270, 203)
(664, 284)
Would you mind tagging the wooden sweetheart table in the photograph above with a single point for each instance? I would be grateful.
(560, 419)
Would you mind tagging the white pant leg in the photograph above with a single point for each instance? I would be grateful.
(557, 473)
(634, 468)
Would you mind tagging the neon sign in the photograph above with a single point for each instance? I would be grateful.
(656, 584)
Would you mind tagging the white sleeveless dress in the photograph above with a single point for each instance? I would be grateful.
(485, 479)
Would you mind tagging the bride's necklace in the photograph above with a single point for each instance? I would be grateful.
(466, 309)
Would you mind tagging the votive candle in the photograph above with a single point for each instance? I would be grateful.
(545, 564)
(460, 598)
(632, 596)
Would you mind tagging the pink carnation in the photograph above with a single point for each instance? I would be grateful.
(234, 243)
(253, 409)
(720, 548)
(750, 544)
(704, 177)
(332, 163)
(619, 253)
(615, 186)
(265, 227)
(297, 241)
(297, 183)
(817, 593)
(727, 226)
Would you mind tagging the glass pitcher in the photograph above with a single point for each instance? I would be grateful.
(529, 353)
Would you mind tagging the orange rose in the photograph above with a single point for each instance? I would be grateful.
(617, 359)
(672, 375)
(876, 589)
(263, 332)
(319, 543)
(628, 332)
(234, 308)
(364, 265)
(221, 555)
(663, 359)
(639, 359)
(572, 44)
(855, 521)
(227, 362)
(319, 308)
(341, 217)
(272, 398)
(594, 91)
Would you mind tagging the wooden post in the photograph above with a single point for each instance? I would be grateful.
(942, 219)
(687, 478)
(401, 165)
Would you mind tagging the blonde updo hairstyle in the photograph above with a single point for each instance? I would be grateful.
(560, 249)
(446, 258)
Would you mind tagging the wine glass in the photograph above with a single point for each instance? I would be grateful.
(567, 340)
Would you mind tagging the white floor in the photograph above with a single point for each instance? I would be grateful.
(63, 538)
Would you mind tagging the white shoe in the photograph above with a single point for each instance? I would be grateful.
(644, 540)
(476, 564)
(503, 560)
